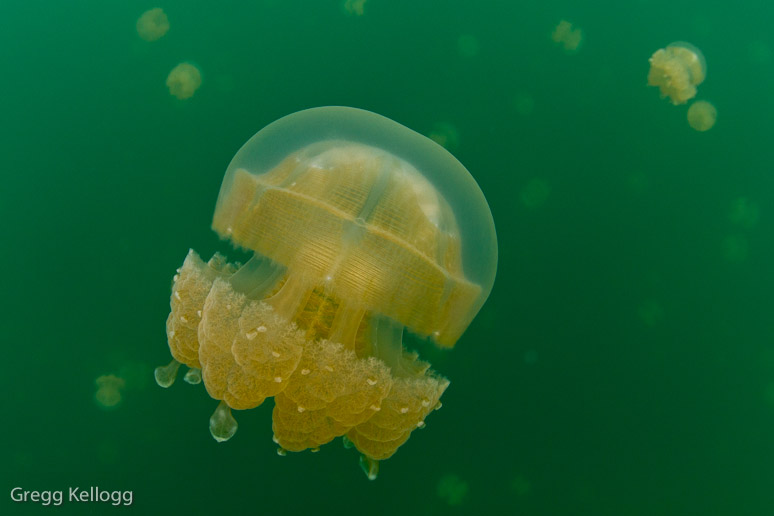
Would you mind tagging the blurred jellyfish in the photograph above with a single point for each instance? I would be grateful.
(354, 7)
(650, 312)
(677, 70)
(531, 357)
(735, 248)
(567, 37)
(153, 24)
(468, 46)
(184, 80)
(702, 115)
(535, 193)
(452, 489)
(445, 135)
(521, 486)
(744, 212)
(109, 389)
(523, 103)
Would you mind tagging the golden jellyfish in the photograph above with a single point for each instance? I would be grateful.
(677, 70)
(152, 24)
(567, 37)
(109, 387)
(702, 115)
(354, 7)
(184, 80)
(359, 229)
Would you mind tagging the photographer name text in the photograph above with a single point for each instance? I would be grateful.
(73, 495)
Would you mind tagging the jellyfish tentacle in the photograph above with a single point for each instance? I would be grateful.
(369, 466)
(190, 289)
(293, 294)
(223, 426)
(256, 277)
(193, 376)
(345, 324)
(165, 375)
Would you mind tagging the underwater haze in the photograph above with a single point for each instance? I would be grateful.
(623, 364)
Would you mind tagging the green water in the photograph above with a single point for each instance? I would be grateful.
(624, 363)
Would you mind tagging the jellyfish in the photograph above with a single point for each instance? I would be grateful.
(152, 24)
(702, 115)
(736, 248)
(354, 7)
(452, 489)
(567, 37)
(184, 80)
(744, 211)
(677, 70)
(650, 312)
(109, 387)
(358, 231)
(445, 135)
(521, 486)
(468, 46)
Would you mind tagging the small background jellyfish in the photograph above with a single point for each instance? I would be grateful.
(184, 80)
(567, 37)
(354, 7)
(109, 391)
(735, 248)
(523, 103)
(702, 115)
(521, 486)
(452, 489)
(650, 312)
(676, 70)
(111, 388)
(468, 46)
(744, 212)
(152, 24)
(445, 135)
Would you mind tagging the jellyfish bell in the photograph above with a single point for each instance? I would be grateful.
(676, 70)
(702, 115)
(567, 36)
(152, 24)
(367, 170)
(108, 394)
(359, 228)
(183, 81)
(692, 56)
